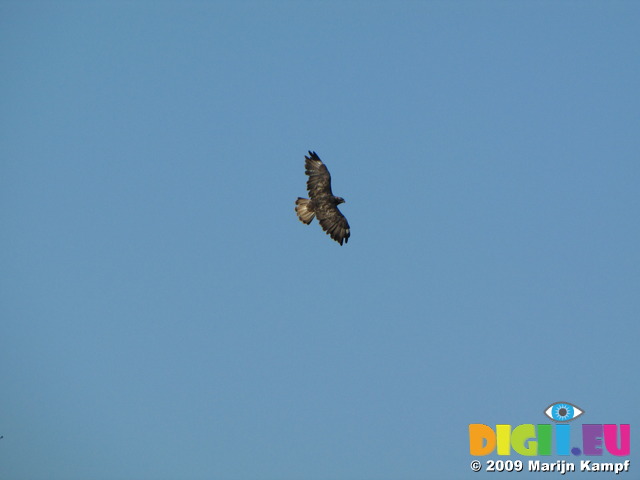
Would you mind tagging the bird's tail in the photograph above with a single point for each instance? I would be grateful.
(305, 214)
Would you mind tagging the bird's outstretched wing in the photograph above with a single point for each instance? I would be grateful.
(333, 222)
(319, 182)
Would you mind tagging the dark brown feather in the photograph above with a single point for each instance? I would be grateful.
(319, 182)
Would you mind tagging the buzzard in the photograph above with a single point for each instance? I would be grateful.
(321, 202)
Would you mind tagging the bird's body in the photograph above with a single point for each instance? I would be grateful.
(322, 203)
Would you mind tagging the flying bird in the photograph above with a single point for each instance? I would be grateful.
(321, 202)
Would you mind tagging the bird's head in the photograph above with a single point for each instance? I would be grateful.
(339, 200)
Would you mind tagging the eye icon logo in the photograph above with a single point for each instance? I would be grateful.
(563, 412)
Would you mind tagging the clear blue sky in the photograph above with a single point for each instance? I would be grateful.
(165, 315)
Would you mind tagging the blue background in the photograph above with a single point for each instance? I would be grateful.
(164, 313)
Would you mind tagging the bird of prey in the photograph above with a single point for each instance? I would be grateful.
(321, 202)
